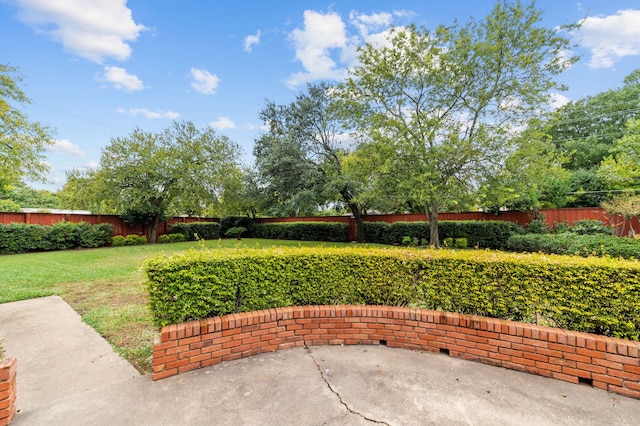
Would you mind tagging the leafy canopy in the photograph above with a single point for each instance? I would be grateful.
(445, 104)
(22, 142)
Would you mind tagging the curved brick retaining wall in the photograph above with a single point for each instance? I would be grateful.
(605, 363)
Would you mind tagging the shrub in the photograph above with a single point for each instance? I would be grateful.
(134, 240)
(92, 236)
(129, 240)
(591, 227)
(538, 226)
(203, 230)
(118, 241)
(62, 236)
(22, 238)
(593, 295)
(302, 231)
(171, 238)
(236, 232)
(229, 222)
(460, 243)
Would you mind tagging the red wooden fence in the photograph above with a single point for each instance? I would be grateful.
(552, 216)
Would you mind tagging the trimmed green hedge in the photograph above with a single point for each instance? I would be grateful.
(23, 238)
(203, 230)
(581, 245)
(129, 240)
(172, 238)
(598, 295)
(302, 231)
(481, 234)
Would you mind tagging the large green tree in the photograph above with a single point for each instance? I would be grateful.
(532, 176)
(22, 142)
(147, 176)
(300, 158)
(448, 102)
(621, 170)
(587, 132)
(587, 129)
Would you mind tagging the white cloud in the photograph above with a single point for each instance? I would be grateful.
(94, 30)
(612, 37)
(367, 23)
(133, 112)
(64, 146)
(251, 40)
(204, 81)
(313, 44)
(122, 80)
(250, 127)
(558, 100)
(90, 165)
(222, 123)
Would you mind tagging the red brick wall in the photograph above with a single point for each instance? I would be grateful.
(8, 389)
(606, 363)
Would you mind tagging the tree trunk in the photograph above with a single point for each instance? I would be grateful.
(153, 235)
(431, 208)
(357, 214)
(356, 210)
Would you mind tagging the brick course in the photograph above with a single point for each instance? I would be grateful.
(8, 390)
(608, 363)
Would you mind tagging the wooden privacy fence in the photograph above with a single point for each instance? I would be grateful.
(623, 226)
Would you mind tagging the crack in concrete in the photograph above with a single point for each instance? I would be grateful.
(336, 393)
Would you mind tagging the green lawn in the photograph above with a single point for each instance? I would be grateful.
(105, 286)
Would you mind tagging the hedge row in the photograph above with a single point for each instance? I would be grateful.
(303, 231)
(598, 295)
(481, 234)
(23, 238)
(581, 245)
(197, 230)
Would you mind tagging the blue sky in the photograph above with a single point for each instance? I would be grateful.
(97, 69)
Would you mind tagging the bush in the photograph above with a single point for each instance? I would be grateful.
(592, 295)
(236, 232)
(92, 236)
(171, 238)
(203, 230)
(22, 238)
(118, 241)
(302, 231)
(591, 227)
(538, 226)
(573, 244)
(460, 243)
(229, 222)
(134, 240)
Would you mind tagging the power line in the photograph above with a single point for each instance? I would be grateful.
(78, 117)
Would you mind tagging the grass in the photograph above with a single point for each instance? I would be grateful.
(106, 287)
